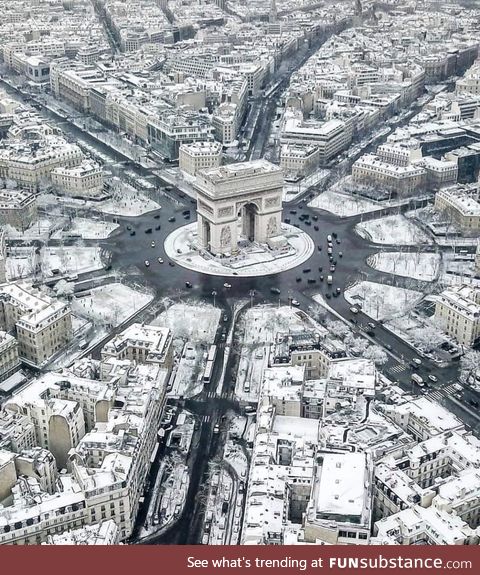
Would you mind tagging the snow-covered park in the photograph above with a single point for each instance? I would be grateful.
(343, 205)
(382, 301)
(415, 265)
(111, 304)
(88, 229)
(70, 259)
(395, 230)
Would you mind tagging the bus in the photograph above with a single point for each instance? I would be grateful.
(212, 353)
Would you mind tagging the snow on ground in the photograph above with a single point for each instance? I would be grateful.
(20, 263)
(458, 270)
(193, 326)
(195, 322)
(343, 205)
(236, 457)
(292, 189)
(112, 304)
(396, 229)
(89, 229)
(40, 229)
(414, 265)
(129, 202)
(257, 328)
(70, 259)
(381, 301)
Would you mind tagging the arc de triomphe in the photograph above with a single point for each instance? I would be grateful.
(247, 191)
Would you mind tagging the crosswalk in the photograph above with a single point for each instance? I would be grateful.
(211, 393)
(439, 394)
(206, 418)
(396, 369)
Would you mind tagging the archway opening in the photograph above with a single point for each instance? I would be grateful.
(248, 215)
(206, 234)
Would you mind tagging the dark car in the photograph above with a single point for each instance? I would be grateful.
(148, 231)
(171, 219)
(316, 228)
(298, 280)
(319, 248)
(132, 233)
(320, 269)
(129, 228)
(287, 220)
(171, 264)
(293, 212)
(186, 212)
(315, 217)
(157, 216)
(307, 270)
(188, 284)
(158, 227)
(312, 281)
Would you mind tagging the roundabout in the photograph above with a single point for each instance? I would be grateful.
(291, 248)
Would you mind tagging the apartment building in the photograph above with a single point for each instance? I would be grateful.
(85, 180)
(106, 468)
(297, 160)
(457, 310)
(200, 156)
(30, 164)
(3, 257)
(462, 205)
(310, 349)
(43, 326)
(371, 170)
(17, 432)
(18, 208)
(9, 359)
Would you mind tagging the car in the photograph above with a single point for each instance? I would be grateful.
(328, 296)
(158, 227)
(388, 346)
(152, 244)
(338, 290)
(354, 309)
(340, 254)
(188, 285)
(370, 332)
(148, 231)
(156, 216)
(417, 361)
(316, 228)
(216, 428)
(147, 263)
(171, 219)
(287, 220)
(433, 378)
(307, 270)
(329, 239)
(338, 241)
(315, 217)
(308, 223)
(321, 278)
(186, 212)
(227, 285)
(295, 302)
(320, 269)
(132, 233)
(129, 228)
(329, 251)
(353, 320)
(171, 264)
(168, 188)
(312, 281)
(293, 212)
(225, 317)
(275, 290)
(187, 217)
(334, 234)
(319, 248)
(371, 324)
(457, 387)
(298, 280)
(332, 268)
(160, 261)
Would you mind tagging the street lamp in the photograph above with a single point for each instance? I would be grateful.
(214, 293)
